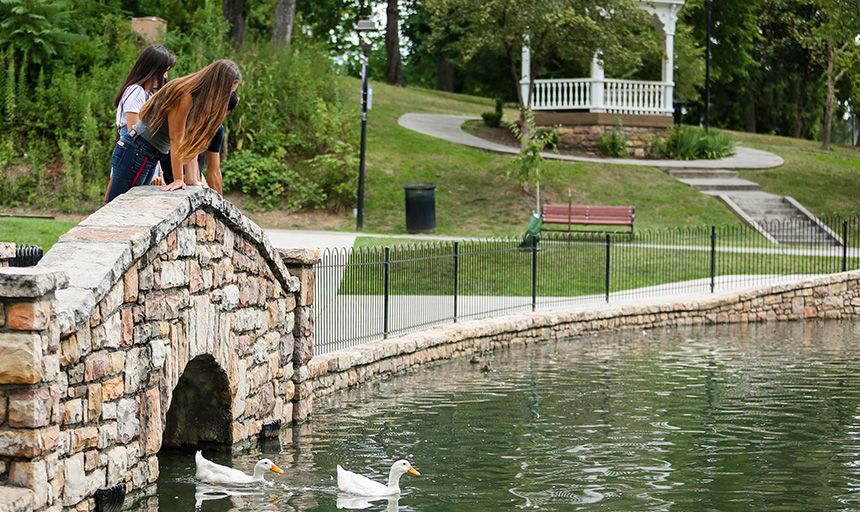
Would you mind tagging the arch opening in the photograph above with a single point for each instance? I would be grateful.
(200, 411)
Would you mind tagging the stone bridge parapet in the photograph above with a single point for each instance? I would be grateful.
(163, 318)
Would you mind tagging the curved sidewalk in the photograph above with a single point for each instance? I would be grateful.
(449, 127)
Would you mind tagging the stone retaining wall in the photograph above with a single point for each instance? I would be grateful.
(829, 297)
(582, 130)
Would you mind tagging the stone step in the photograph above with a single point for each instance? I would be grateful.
(683, 174)
(774, 214)
(770, 211)
(716, 185)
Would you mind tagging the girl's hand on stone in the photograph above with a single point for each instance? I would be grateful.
(174, 185)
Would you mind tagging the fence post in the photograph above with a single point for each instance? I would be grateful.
(534, 273)
(456, 276)
(713, 258)
(608, 245)
(385, 293)
(844, 245)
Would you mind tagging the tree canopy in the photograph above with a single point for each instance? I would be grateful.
(553, 30)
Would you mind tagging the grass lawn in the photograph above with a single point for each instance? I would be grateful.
(473, 197)
(41, 232)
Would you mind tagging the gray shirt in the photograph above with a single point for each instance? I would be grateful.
(160, 138)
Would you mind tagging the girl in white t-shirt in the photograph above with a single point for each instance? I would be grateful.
(146, 76)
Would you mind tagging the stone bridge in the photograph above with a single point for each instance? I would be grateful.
(163, 319)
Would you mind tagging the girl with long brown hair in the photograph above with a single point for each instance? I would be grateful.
(181, 119)
(146, 76)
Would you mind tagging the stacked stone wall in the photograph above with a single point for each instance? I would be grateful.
(7, 253)
(830, 297)
(94, 339)
(586, 137)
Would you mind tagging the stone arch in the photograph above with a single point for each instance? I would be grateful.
(201, 405)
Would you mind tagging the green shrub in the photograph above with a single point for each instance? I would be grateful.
(691, 143)
(292, 127)
(717, 144)
(613, 143)
(270, 181)
(494, 119)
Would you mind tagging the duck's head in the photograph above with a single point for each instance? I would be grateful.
(268, 465)
(403, 466)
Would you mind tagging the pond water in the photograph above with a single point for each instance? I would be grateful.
(702, 419)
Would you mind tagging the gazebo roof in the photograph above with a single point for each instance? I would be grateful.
(664, 12)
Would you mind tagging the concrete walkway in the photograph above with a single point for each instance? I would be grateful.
(449, 128)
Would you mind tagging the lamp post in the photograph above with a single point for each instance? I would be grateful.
(362, 27)
(708, 4)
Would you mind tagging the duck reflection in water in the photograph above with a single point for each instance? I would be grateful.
(239, 499)
(353, 502)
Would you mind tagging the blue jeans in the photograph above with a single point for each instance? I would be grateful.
(132, 164)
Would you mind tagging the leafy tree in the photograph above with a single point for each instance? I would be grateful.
(234, 11)
(529, 161)
(34, 31)
(563, 29)
(394, 63)
(282, 28)
(434, 58)
(833, 43)
(733, 33)
(689, 63)
(332, 22)
(788, 78)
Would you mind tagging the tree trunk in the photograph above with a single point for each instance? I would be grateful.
(524, 126)
(828, 108)
(751, 124)
(394, 64)
(801, 100)
(234, 13)
(282, 28)
(444, 75)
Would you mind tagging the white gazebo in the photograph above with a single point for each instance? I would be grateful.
(598, 94)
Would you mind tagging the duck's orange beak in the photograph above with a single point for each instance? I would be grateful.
(276, 469)
(412, 470)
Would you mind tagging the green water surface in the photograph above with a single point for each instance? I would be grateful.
(725, 418)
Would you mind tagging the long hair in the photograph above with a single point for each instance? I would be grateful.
(152, 63)
(210, 90)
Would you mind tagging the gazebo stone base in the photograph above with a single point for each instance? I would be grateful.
(580, 131)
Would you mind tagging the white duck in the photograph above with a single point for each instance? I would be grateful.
(208, 471)
(353, 483)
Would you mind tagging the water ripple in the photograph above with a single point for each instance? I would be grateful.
(698, 419)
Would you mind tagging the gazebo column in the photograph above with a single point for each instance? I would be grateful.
(664, 16)
(668, 70)
(598, 85)
(526, 75)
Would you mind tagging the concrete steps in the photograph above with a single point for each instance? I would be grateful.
(713, 180)
(780, 219)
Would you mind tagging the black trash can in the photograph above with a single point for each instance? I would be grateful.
(677, 110)
(420, 207)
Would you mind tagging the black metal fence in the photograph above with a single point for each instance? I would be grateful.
(368, 293)
(26, 255)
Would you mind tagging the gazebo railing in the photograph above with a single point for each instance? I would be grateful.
(606, 95)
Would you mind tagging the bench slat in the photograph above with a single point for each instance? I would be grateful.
(588, 215)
